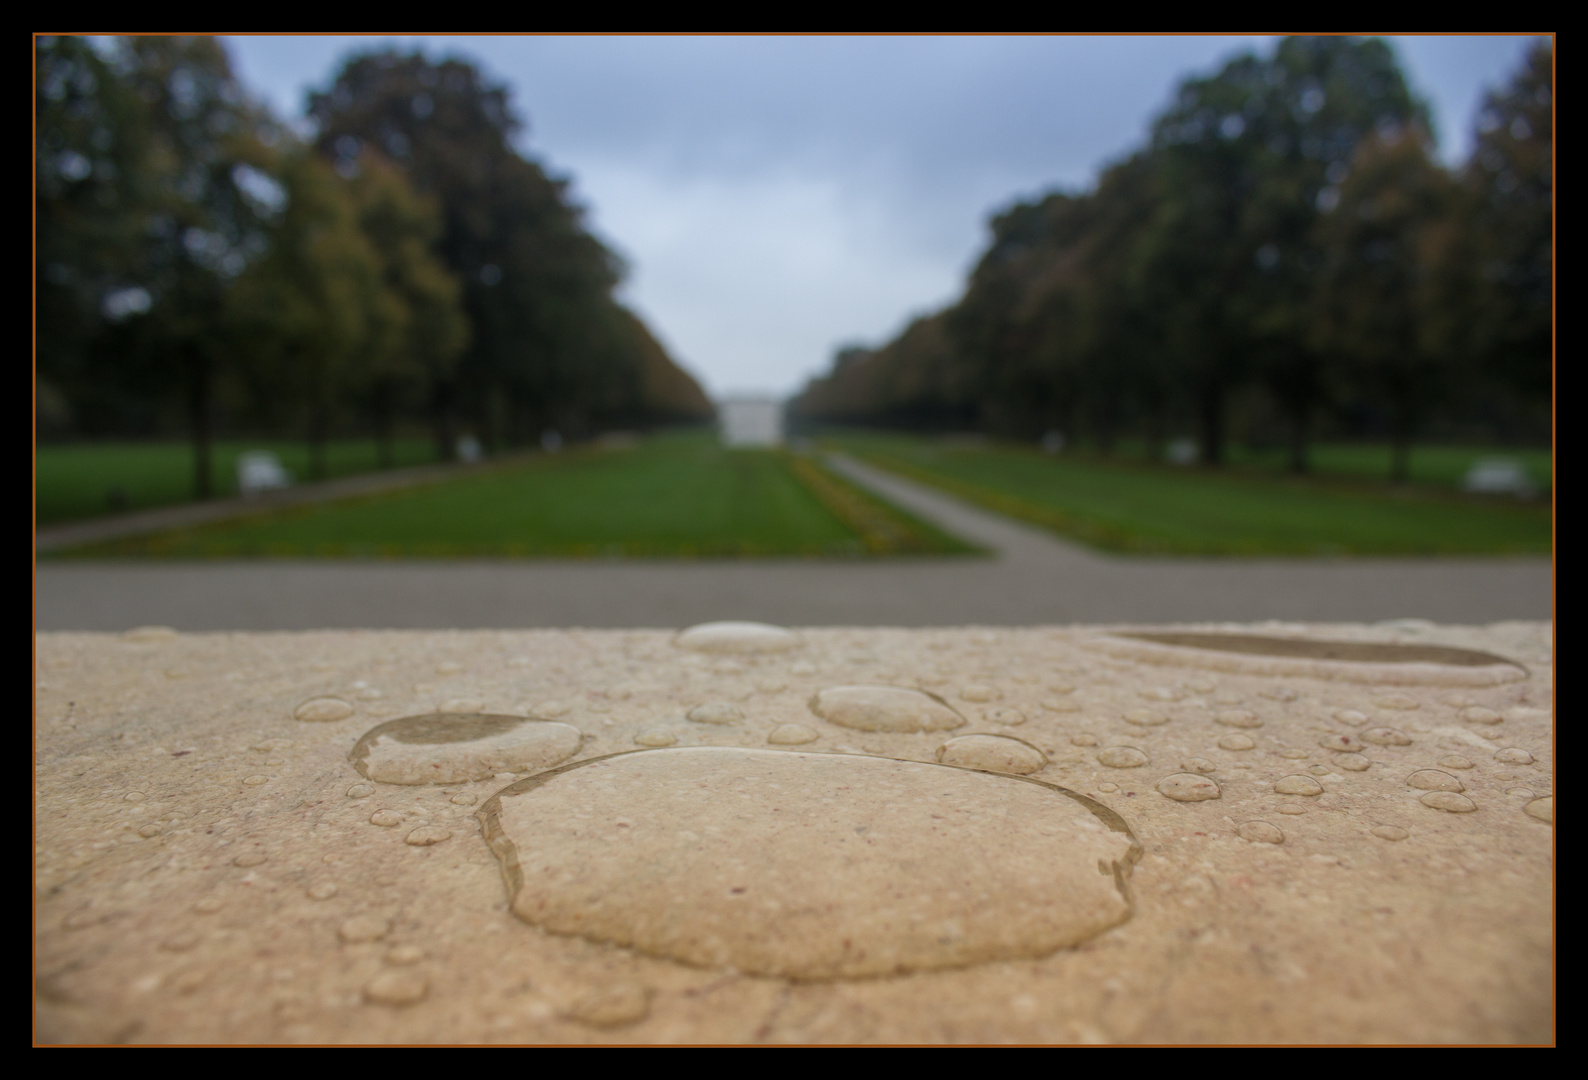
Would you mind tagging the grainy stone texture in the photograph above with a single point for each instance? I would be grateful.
(212, 869)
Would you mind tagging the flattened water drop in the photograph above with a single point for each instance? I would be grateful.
(363, 928)
(1354, 717)
(464, 798)
(1397, 701)
(1260, 832)
(1513, 755)
(442, 748)
(323, 710)
(322, 891)
(1477, 714)
(425, 835)
(1085, 738)
(611, 1006)
(1145, 718)
(806, 886)
(386, 819)
(716, 712)
(256, 780)
(462, 705)
(1542, 809)
(1297, 784)
(1278, 693)
(792, 735)
(1004, 717)
(1386, 736)
(396, 988)
(1344, 743)
(1198, 765)
(251, 858)
(1121, 757)
(1390, 832)
(1236, 741)
(737, 637)
(1433, 780)
(404, 955)
(1061, 705)
(1353, 763)
(992, 753)
(360, 791)
(1188, 787)
(1454, 761)
(979, 692)
(1237, 718)
(655, 737)
(1449, 802)
(885, 708)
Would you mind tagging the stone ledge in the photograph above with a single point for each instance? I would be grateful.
(1042, 835)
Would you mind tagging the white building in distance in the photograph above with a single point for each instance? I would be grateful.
(748, 421)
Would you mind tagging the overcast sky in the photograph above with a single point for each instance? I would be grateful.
(778, 197)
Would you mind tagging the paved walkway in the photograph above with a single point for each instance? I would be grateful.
(1034, 579)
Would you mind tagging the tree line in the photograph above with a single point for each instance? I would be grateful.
(201, 267)
(1285, 255)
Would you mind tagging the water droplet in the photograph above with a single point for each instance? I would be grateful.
(1278, 693)
(363, 928)
(655, 737)
(1542, 809)
(1449, 802)
(1260, 832)
(1477, 714)
(1513, 755)
(1161, 693)
(1292, 754)
(360, 791)
(1083, 739)
(1060, 705)
(1061, 688)
(1201, 684)
(1236, 741)
(448, 667)
(386, 819)
(1455, 761)
(134, 796)
(1344, 743)
(885, 708)
(1457, 701)
(445, 748)
(1353, 717)
(1198, 765)
(550, 710)
(404, 955)
(256, 780)
(806, 885)
(149, 633)
(464, 798)
(992, 753)
(425, 835)
(1290, 808)
(1107, 788)
(1353, 763)
(1237, 718)
(1297, 784)
(1390, 832)
(323, 710)
(322, 891)
(1318, 770)
(396, 988)
(1145, 718)
(1396, 701)
(462, 706)
(1433, 780)
(149, 831)
(737, 637)
(1004, 717)
(791, 735)
(207, 905)
(611, 1006)
(1386, 736)
(978, 692)
(1188, 787)
(251, 858)
(1121, 757)
(716, 712)
(1521, 792)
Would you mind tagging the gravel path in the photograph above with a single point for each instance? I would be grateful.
(1034, 579)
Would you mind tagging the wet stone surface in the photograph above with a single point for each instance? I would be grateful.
(527, 837)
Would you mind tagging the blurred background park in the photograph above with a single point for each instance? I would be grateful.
(1280, 321)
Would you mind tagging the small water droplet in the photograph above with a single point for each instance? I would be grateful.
(149, 831)
(1188, 787)
(1454, 761)
(1353, 717)
(462, 706)
(135, 796)
(323, 710)
(1004, 717)
(1061, 705)
(1353, 763)
(464, 798)
(425, 835)
(1521, 792)
(1121, 757)
(1292, 754)
(979, 692)
(1236, 741)
(363, 928)
(1477, 714)
(611, 1006)
(1318, 770)
(386, 819)
(1344, 743)
(1386, 736)
(550, 710)
(1513, 755)
(322, 891)
(404, 955)
(655, 737)
(1145, 718)
(1449, 802)
(1198, 765)
(1291, 809)
(1297, 784)
(791, 735)
(1390, 832)
(360, 791)
(1107, 788)
(1433, 780)
(1278, 693)
(716, 712)
(448, 748)
(256, 780)
(885, 708)
(1260, 832)
(1061, 688)
(1397, 702)
(1161, 693)
(396, 988)
(737, 637)
(992, 753)
(207, 905)
(1542, 809)
(1237, 718)
(251, 858)
(1201, 684)
(1083, 739)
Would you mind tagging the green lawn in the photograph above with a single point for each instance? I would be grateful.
(78, 481)
(675, 496)
(1242, 511)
